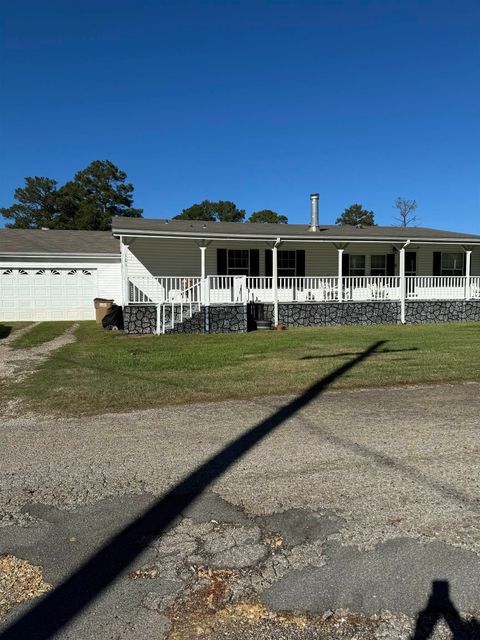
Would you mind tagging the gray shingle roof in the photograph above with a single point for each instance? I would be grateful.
(201, 229)
(37, 241)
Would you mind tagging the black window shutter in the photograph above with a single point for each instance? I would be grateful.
(345, 265)
(464, 264)
(254, 262)
(222, 262)
(268, 262)
(390, 264)
(300, 270)
(437, 263)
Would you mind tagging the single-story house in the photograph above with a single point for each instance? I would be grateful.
(196, 276)
(182, 275)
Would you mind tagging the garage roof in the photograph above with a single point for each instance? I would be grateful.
(53, 241)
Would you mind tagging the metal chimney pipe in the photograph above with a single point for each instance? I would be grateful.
(314, 212)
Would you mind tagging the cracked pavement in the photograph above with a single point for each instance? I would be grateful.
(334, 526)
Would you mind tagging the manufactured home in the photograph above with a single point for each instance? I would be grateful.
(194, 276)
(182, 275)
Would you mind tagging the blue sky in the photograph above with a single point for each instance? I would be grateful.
(257, 102)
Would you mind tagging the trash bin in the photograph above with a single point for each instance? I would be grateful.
(102, 307)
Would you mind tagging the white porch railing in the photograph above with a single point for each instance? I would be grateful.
(370, 288)
(474, 288)
(310, 289)
(192, 291)
(437, 288)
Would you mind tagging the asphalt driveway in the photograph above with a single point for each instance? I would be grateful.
(339, 523)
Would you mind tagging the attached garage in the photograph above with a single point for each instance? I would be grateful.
(55, 275)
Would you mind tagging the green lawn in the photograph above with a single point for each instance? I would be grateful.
(43, 332)
(107, 371)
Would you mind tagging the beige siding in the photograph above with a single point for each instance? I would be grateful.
(163, 257)
(172, 257)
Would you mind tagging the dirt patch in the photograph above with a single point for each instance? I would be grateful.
(18, 363)
(19, 581)
(206, 612)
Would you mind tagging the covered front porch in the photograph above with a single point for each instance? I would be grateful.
(392, 276)
(179, 268)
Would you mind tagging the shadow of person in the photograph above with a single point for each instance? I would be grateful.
(440, 606)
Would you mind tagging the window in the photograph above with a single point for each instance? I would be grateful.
(286, 264)
(357, 265)
(238, 262)
(378, 265)
(452, 264)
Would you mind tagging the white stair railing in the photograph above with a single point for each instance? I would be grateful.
(182, 306)
(158, 290)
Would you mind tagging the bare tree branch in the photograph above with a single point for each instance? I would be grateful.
(406, 210)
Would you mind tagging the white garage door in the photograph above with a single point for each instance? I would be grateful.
(47, 294)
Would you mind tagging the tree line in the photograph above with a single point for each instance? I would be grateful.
(100, 192)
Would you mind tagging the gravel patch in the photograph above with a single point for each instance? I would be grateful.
(19, 363)
(19, 581)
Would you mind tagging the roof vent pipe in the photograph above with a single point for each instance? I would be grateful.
(314, 212)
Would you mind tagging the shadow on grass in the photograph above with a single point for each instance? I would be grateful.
(440, 606)
(61, 605)
(347, 354)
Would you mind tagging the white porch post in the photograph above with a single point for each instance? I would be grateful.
(124, 271)
(275, 281)
(204, 288)
(401, 254)
(202, 262)
(468, 268)
(340, 274)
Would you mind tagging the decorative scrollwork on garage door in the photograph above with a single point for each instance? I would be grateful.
(23, 272)
(72, 272)
(86, 272)
(55, 272)
(7, 272)
(40, 272)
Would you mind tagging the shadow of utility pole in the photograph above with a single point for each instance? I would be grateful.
(62, 604)
(440, 606)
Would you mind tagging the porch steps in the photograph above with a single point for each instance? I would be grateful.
(192, 324)
(184, 314)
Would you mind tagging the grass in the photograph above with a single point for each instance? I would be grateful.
(42, 332)
(106, 371)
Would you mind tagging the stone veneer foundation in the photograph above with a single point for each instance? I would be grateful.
(214, 319)
(238, 318)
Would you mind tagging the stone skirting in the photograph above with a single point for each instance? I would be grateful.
(431, 311)
(238, 318)
(337, 313)
(139, 318)
(214, 319)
